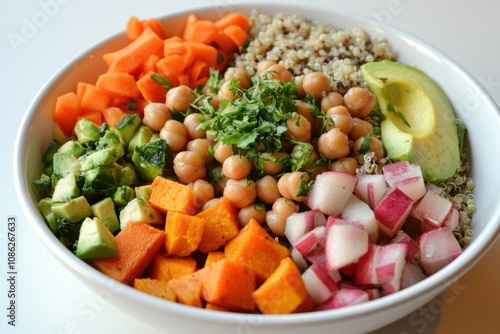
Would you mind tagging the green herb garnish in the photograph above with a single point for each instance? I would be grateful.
(392, 108)
(366, 143)
(161, 80)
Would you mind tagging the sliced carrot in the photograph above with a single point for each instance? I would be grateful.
(183, 79)
(156, 26)
(173, 46)
(137, 246)
(189, 26)
(93, 116)
(155, 288)
(228, 284)
(130, 57)
(170, 65)
(283, 292)
(236, 34)
(134, 28)
(198, 69)
(254, 248)
(150, 89)
(112, 115)
(149, 65)
(165, 268)
(187, 289)
(225, 43)
(222, 60)
(95, 98)
(80, 89)
(66, 111)
(221, 225)
(204, 52)
(168, 195)
(202, 31)
(237, 19)
(213, 257)
(117, 83)
(184, 233)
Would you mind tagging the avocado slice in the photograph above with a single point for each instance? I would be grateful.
(95, 240)
(418, 121)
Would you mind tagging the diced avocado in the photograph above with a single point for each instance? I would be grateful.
(95, 240)
(123, 195)
(143, 192)
(152, 158)
(141, 136)
(72, 147)
(104, 157)
(86, 131)
(419, 121)
(64, 164)
(111, 140)
(66, 189)
(98, 183)
(45, 206)
(49, 152)
(105, 211)
(44, 184)
(73, 211)
(126, 127)
(139, 211)
(127, 176)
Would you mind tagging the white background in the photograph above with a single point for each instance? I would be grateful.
(39, 37)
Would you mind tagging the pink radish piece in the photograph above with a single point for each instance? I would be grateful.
(406, 177)
(438, 248)
(319, 283)
(330, 192)
(298, 259)
(413, 248)
(432, 209)
(344, 297)
(370, 188)
(392, 211)
(310, 241)
(412, 274)
(345, 243)
(299, 223)
(360, 214)
(453, 219)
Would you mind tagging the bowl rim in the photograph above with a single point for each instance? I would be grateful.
(435, 283)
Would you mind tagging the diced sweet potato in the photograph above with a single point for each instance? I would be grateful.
(154, 287)
(165, 268)
(187, 289)
(184, 233)
(170, 196)
(213, 257)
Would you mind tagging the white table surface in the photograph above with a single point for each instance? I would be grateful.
(49, 298)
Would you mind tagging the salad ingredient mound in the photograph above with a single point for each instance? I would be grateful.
(205, 169)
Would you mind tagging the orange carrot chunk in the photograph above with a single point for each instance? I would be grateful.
(155, 288)
(150, 89)
(283, 292)
(137, 246)
(237, 19)
(93, 116)
(221, 225)
(184, 233)
(168, 195)
(121, 84)
(202, 31)
(112, 115)
(134, 28)
(156, 26)
(95, 98)
(66, 112)
(236, 34)
(254, 248)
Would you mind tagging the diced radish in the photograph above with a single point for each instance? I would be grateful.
(392, 211)
(370, 188)
(406, 177)
(348, 270)
(438, 248)
(373, 293)
(335, 275)
(432, 187)
(319, 283)
(432, 209)
(345, 243)
(298, 259)
(299, 223)
(366, 267)
(413, 250)
(360, 214)
(344, 297)
(330, 192)
(452, 219)
(412, 273)
(310, 241)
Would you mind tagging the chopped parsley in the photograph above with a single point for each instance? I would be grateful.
(161, 80)
(366, 143)
(392, 108)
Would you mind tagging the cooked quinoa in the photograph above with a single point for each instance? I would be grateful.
(304, 46)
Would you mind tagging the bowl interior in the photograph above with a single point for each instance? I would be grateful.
(471, 104)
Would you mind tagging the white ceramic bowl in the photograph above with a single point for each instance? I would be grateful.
(471, 104)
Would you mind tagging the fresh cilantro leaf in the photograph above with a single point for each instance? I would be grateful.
(366, 143)
(161, 80)
(392, 108)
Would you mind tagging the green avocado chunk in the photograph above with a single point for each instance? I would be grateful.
(95, 240)
(418, 122)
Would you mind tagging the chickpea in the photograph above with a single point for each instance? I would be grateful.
(276, 218)
(276, 72)
(225, 93)
(299, 80)
(222, 151)
(275, 223)
(289, 183)
(189, 166)
(203, 191)
(359, 101)
(334, 144)
(155, 115)
(192, 121)
(360, 128)
(263, 65)
(236, 167)
(341, 117)
(299, 128)
(269, 164)
(250, 212)
(214, 100)
(345, 165)
(175, 133)
(316, 84)
(220, 184)
(304, 109)
(201, 146)
(331, 100)
(267, 189)
(241, 74)
(240, 192)
(375, 147)
(210, 203)
(179, 98)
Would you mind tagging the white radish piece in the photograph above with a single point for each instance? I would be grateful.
(438, 248)
(371, 188)
(432, 209)
(412, 274)
(298, 224)
(413, 249)
(330, 191)
(452, 219)
(406, 177)
(319, 283)
(344, 297)
(360, 214)
(310, 241)
(392, 211)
